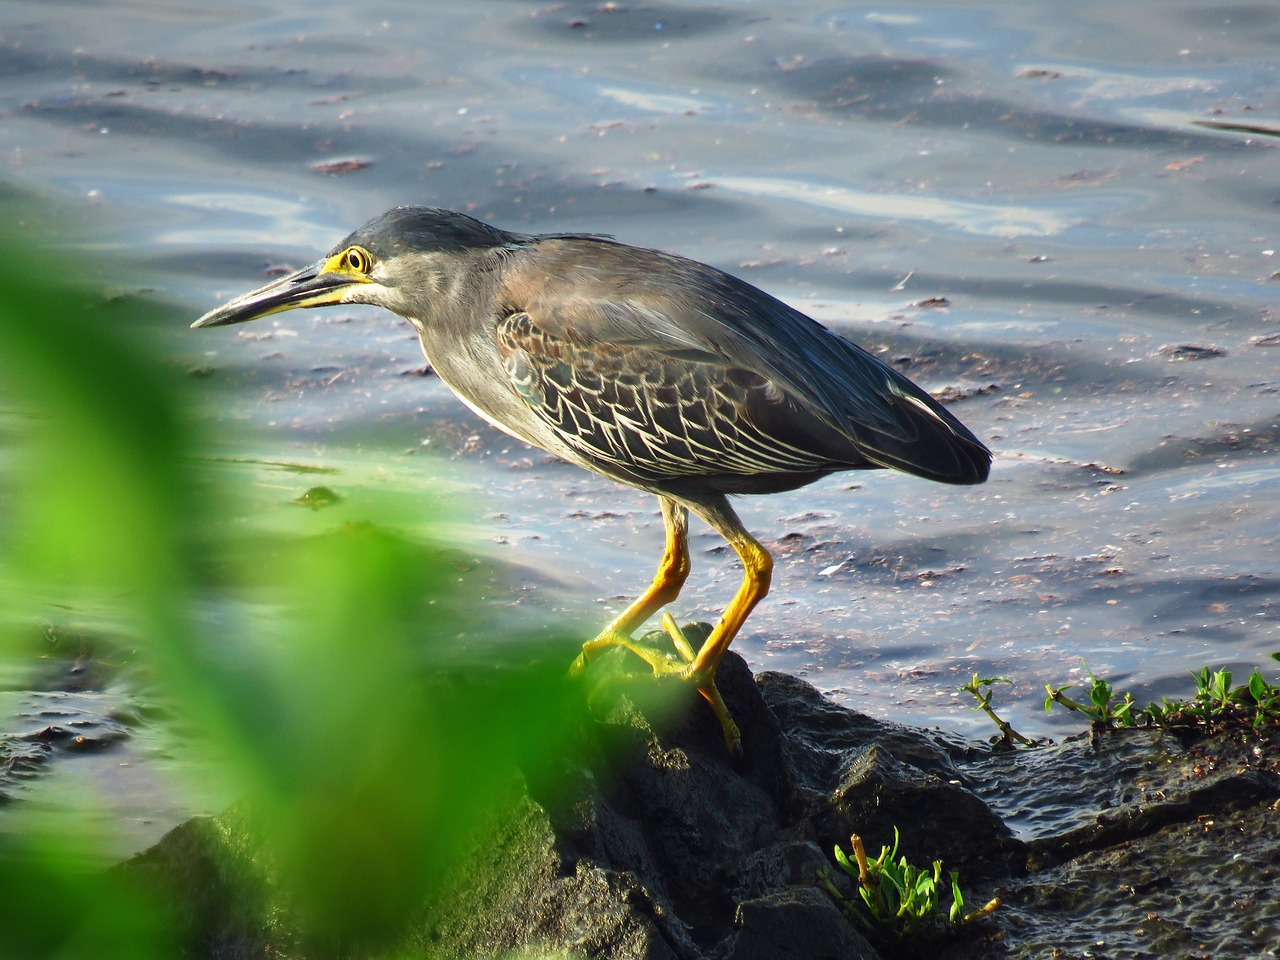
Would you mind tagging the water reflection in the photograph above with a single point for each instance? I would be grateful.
(991, 219)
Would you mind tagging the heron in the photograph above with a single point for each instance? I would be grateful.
(649, 368)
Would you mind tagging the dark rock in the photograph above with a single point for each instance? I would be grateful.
(796, 922)
(1220, 795)
(1202, 888)
(646, 841)
(938, 818)
(221, 896)
(649, 841)
(855, 774)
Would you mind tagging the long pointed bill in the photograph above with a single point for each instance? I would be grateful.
(312, 286)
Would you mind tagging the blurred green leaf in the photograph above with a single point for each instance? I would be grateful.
(326, 691)
(55, 904)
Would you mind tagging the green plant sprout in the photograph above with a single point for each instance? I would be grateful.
(1217, 701)
(1007, 734)
(902, 902)
(1103, 710)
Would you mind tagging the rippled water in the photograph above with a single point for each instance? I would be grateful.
(1063, 215)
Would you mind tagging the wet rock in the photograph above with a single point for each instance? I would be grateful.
(852, 773)
(799, 922)
(1217, 796)
(648, 842)
(1201, 888)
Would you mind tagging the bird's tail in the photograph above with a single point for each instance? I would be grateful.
(935, 444)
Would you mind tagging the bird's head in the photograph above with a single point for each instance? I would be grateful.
(401, 260)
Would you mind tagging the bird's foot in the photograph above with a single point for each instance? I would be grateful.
(704, 681)
(664, 663)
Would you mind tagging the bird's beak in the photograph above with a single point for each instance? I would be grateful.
(318, 285)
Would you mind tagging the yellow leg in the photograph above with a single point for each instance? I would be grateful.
(697, 668)
(757, 574)
(673, 571)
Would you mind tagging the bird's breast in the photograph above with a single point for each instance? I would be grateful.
(473, 370)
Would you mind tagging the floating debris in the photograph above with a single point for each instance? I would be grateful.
(340, 165)
(1190, 351)
(318, 497)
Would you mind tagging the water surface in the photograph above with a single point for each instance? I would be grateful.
(1062, 217)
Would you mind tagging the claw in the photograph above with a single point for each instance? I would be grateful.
(590, 650)
(732, 735)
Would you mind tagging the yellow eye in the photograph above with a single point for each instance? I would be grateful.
(357, 260)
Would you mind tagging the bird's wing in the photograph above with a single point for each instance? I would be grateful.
(656, 415)
(669, 306)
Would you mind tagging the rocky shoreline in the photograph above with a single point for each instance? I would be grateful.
(648, 841)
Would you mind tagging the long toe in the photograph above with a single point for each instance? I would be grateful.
(732, 735)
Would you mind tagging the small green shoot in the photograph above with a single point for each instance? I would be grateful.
(1266, 699)
(902, 902)
(1103, 710)
(1216, 701)
(1007, 734)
